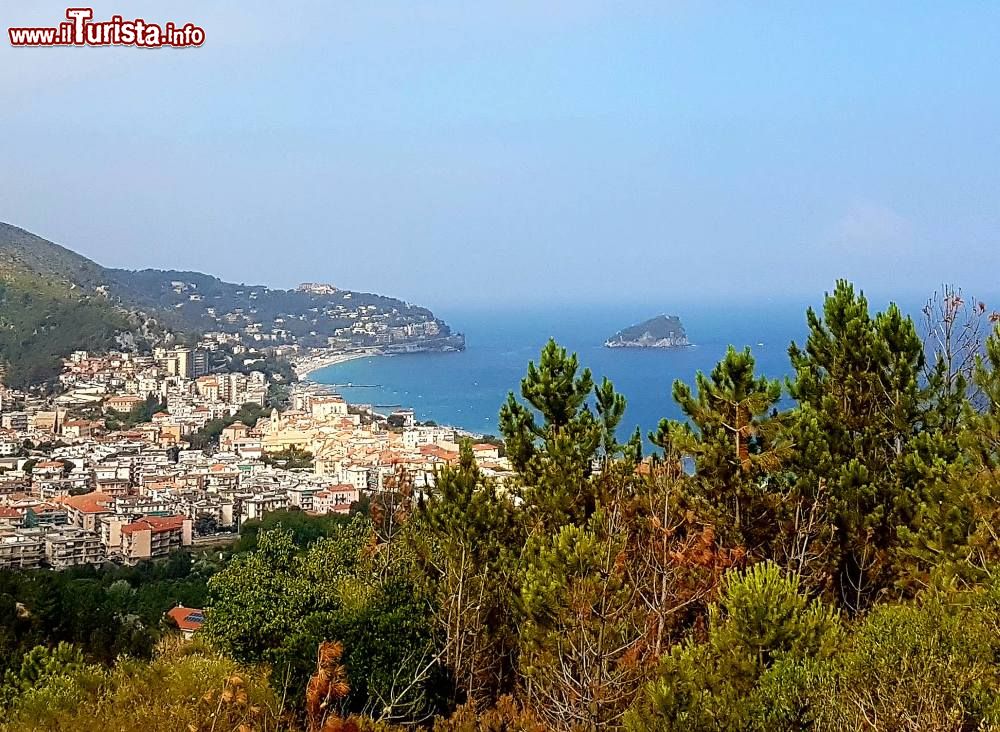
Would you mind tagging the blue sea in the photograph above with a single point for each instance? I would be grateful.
(466, 389)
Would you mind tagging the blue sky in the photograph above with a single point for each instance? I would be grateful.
(457, 152)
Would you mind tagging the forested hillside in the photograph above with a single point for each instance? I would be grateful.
(199, 302)
(50, 306)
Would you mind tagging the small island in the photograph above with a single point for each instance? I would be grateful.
(663, 331)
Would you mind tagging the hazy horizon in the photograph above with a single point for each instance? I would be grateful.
(461, 156)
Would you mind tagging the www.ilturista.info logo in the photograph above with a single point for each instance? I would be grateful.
(80, 30)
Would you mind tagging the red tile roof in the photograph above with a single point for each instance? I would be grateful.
(155, 524)
(187, 618)
(90, 502)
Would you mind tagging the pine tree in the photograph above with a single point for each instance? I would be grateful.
(857, 382)
(763, 626)
(581, 628)
(955, 509)
(468, 533)
(735, 442)
(554, 458)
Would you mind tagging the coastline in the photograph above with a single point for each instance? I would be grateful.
(316, 361)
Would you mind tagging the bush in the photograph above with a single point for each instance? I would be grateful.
(184, 688)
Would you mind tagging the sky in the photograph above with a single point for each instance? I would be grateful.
(525, 151)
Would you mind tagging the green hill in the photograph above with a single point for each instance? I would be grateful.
(199, 302)
(50, 305)
(54, 301)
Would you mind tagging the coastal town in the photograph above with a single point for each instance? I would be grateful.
(136, 455)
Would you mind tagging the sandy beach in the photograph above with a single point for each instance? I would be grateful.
(314, 362)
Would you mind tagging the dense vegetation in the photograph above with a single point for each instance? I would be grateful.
(830, 565)
(142, 412)
(303, 528)
(102, 611)
(41, 321)
(307, 316)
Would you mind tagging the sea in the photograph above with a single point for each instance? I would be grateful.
(466, 389)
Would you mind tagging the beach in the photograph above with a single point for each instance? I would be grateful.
(320, 360)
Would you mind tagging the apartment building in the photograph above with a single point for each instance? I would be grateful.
(152, 536)
(69, 547)
(335, 499)
(21, 548)
(85, 511)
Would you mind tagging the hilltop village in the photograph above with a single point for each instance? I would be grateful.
(139, 455)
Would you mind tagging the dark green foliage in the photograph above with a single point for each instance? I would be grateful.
(464, 534)
(42, 321)
(49, 307)
(140, 413)
(762, 627)
(102, 611)
(932, 663)
(554, 458)
(303, 527)
(736, 444)
(387, 642)
(955, 508)
(291, 458)
(861, 405)
(38, 666)
(277, 603)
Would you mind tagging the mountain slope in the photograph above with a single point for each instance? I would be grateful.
(21, 250)
(200, 302)
(54, 301)
(49, 307)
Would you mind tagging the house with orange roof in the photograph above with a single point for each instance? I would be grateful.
(486, 451)
(336, 499)
(9, 516)
(187, 619)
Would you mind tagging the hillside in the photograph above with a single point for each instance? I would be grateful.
(21, 250)
(198, 302)
(50, 305)
(663, 331)
(54, 301)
